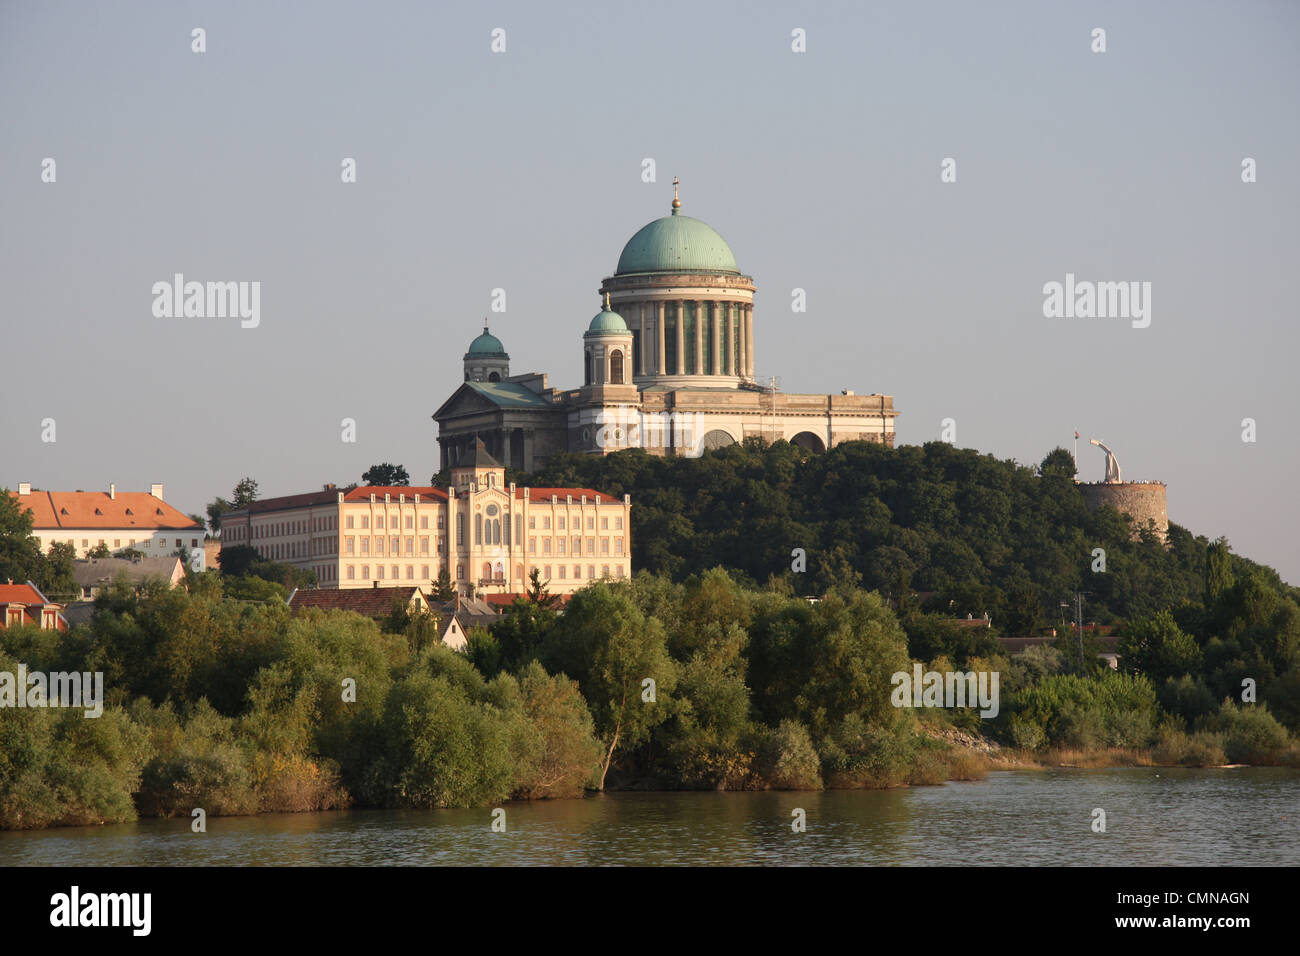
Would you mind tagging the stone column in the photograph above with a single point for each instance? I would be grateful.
(740, 329)
(681, 339)
(715, 327)
(699, 338)
(642, 340)
(661, 355)
(749, 338)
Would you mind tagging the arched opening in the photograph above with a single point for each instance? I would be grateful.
(478, 529)
(494, 377)
(809, 441)
(519, 572)
(616, 367)
(587, 369)
(717, 439)
(487, 571)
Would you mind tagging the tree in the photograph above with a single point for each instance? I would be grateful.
(216, 508)
(99, 551)
(537, 592)
(57, 581)
(607, 644)
(20, 551)
(1059, 462)
(1218, 571)
(199, 520)
(1158, 648)
(245, 493)
(443, 590)
(386, 474)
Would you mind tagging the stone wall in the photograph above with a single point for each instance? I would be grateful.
(1142, 501)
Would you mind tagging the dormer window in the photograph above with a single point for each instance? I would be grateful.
(63, 511)
(157, 511)
(129, 511)
(98, 512)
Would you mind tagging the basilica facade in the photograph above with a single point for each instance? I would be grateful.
(668, 366)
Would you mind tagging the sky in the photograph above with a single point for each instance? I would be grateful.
(523, 169)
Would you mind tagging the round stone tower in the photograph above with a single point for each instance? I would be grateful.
(1142, 502)
(687, 305)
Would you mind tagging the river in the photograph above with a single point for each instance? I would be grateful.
(1243, 816)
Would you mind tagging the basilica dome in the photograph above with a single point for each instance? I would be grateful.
(676, 243)
(486, 344)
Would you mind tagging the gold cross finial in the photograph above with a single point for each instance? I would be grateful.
(677, 203)
(607, 302)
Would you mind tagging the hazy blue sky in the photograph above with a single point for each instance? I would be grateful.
(522, 170)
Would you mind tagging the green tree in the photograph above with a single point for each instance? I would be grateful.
(245, 493)
(386, 474)
(1059, 462)
(606, 643)
(443, 590)
(20, 551)
(1157, 647)
(99, 551)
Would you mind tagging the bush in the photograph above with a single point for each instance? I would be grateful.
(787, 759)
(1250, 733)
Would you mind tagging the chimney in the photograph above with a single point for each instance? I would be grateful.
(156, 491)
(24, 488)
(112, 492)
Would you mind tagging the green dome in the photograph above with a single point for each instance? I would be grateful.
(486, 344)
(676, 243)
(607, 320)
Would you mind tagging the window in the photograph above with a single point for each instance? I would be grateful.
(424, 522)
(532, 545)
(591, 570)
(604, 524)
(365, 571)
(395, 574)
(604, 570)
(618, 524)
(117, 542)
(379, 521)
(478, 529)
(379, 546)
(395, 546)
(410, 545)
(591, 545)
(560, 544)
(349, 522)
(620, 570)
(561, 524)
(410, 521)
(424, 570)
(563, 572)
(410, 572)
(577, 546)
(532, 522)
(604, 545)
(546, 546)
(347, 545)
(519, 571)
(178, 542)
(424, 544)
(379, 572)
(616, 367)
(577, 571)
(460, 572)
(365, 547)
(365, 521)
(591, 523)
(546, 523)
(546, 572)
(487, 571)
(618, 545)
(441, 522)
(460, 530)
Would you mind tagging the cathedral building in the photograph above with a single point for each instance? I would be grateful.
(668, 366)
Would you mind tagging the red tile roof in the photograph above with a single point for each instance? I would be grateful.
(363, 492)
(540, 494)
(370, 602)
(27, 594)
(95, 509)
(329, 495)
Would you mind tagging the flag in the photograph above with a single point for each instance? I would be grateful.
(1076, 436)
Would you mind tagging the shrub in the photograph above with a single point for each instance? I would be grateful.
(787, 759)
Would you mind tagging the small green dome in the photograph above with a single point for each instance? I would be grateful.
(676, 243)
(486, 344)
(607, 320)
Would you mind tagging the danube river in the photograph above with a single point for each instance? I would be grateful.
(1245, 816)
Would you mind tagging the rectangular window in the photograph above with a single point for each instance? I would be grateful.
(591, 523)
(577, 571)
(532, 545)
(365, 546)
(442, 522)
(560, 543)
(546, 546)
(349, 524)
(618, 524)
(591, 570)
(424, 570)
(394, 545)
(395, 574)
(347, 545)
(424, 522)
(532, 522)
(604, 570)
(379, 521)
(365, 571)
(618, 545)
(561, 522)
(546, 572)
(379, 546)
(410, 521)
(178, 542)
(424, 544)
(591, 545)
(365, 521)
(379, 572)
(604, 524)
(117, 542)
(620, 570)
(604, 545)
(410, 572)
(563, 569)
(546, 523)
(352, 572)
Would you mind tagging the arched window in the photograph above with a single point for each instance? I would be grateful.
(494, 377)
(616, 367)
(496, 530)
(460, 572)
(519, 571)
(587, 369)
(487, 571)
(460, 529)
(478, 529)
